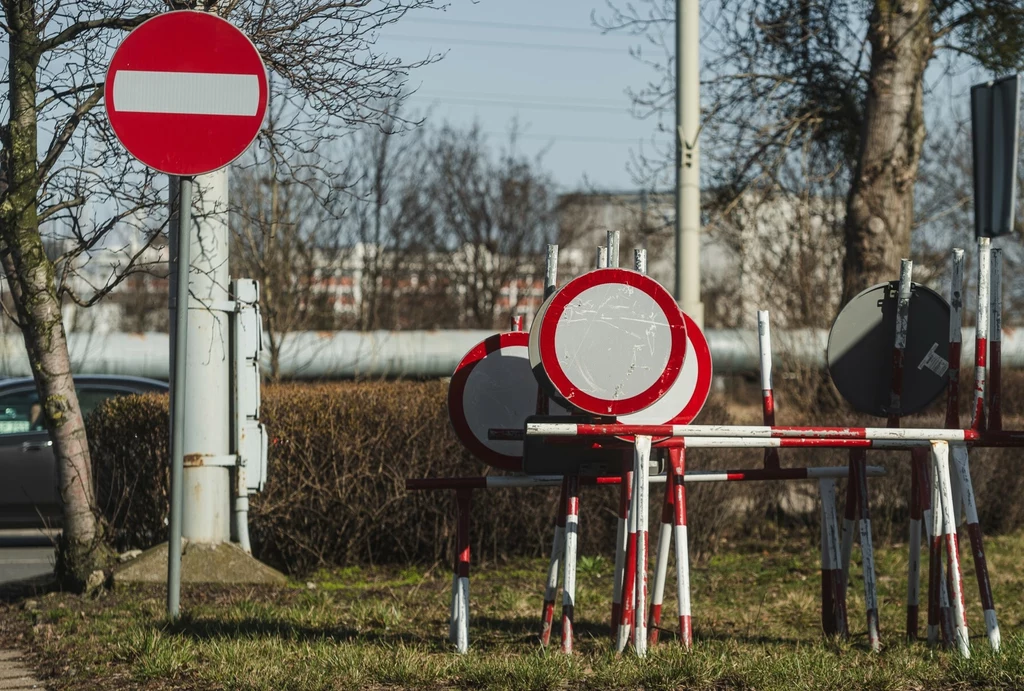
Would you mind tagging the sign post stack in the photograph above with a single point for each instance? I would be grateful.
(186, 94)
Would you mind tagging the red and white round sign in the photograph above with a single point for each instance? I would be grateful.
(612, 342)
(186, 92)
(686, 397)
(493, 388)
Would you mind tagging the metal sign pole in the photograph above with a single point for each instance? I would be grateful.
(178, 396)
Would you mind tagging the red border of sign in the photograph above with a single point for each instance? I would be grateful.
(702, 351)
(549, 359)
(108, 88)
(457, 389)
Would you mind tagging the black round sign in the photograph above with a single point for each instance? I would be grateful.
(862, 341)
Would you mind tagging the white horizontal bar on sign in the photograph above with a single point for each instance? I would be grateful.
(186, 93)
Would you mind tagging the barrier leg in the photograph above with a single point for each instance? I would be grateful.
(918, 463)
(832, 618)
(628, 577)
(932, 513)
(963, 470)
(940, 457)
(621, 544)
(453, 609)
(572, 523)
(551, 588)
(850, 526)
(463, 499)
(858, 459)
(677, 460)
(661, 569)
(641, 474)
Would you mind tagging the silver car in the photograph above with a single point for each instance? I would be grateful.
(28, 474)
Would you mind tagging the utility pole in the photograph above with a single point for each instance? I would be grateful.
(206, 516)
(687, 283)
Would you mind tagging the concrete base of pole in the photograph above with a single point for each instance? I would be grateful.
(208, 498)
(200, 563)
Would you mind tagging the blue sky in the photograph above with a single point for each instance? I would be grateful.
(541, 61)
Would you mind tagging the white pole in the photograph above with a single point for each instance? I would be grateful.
(687, 283)
(613, 249)
(963, 473)
(981, 332)
(641, 489)
(940, 457)
(206, 515)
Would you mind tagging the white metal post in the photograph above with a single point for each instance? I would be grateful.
(981, 333)
(641, 490)
(687, 223)
(207, 483)
(940, 457)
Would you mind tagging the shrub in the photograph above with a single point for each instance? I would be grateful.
(340, 454)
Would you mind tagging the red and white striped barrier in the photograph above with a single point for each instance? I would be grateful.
(995, 346)
(981, 332)
(956, 308)
(682, 548)
(460, 599)
(940, 462)
(963, 473)
(459, 610)
(962, 477)
(641, 490)
(753, 435)
(621, 547)
(764, 337)
(627, 619)
(572, 523)
(918, 465)
(551, 587)
(858, 476)
(833, 612)
(661, 560)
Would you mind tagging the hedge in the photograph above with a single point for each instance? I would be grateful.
(340, 454)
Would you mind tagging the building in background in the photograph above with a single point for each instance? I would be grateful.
(782, 254)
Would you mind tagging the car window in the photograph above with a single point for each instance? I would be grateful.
(20, 411)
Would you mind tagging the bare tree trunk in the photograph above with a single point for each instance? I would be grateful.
(880, 207)
(30, 275)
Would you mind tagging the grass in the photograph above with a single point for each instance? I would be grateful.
(756, 626)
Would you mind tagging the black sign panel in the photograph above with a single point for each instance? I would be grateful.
(862, 343)
(995, 108)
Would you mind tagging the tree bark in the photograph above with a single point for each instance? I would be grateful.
(30, 276)
(880, 206)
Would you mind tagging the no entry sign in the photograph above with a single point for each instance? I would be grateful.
(686, 397)
(186, 92)
(612, 342)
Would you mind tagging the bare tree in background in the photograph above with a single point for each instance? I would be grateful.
(57, 54)
(284, 236)
(494, 215)
(846, 79)
(390, 221)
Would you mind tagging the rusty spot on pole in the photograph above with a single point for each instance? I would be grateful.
(195, 460)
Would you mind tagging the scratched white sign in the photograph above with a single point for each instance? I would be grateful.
(612, 342)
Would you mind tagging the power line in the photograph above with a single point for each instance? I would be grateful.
(520, 97)
(506, 44)
(503, 25)
(571, 137)
(526, 105)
